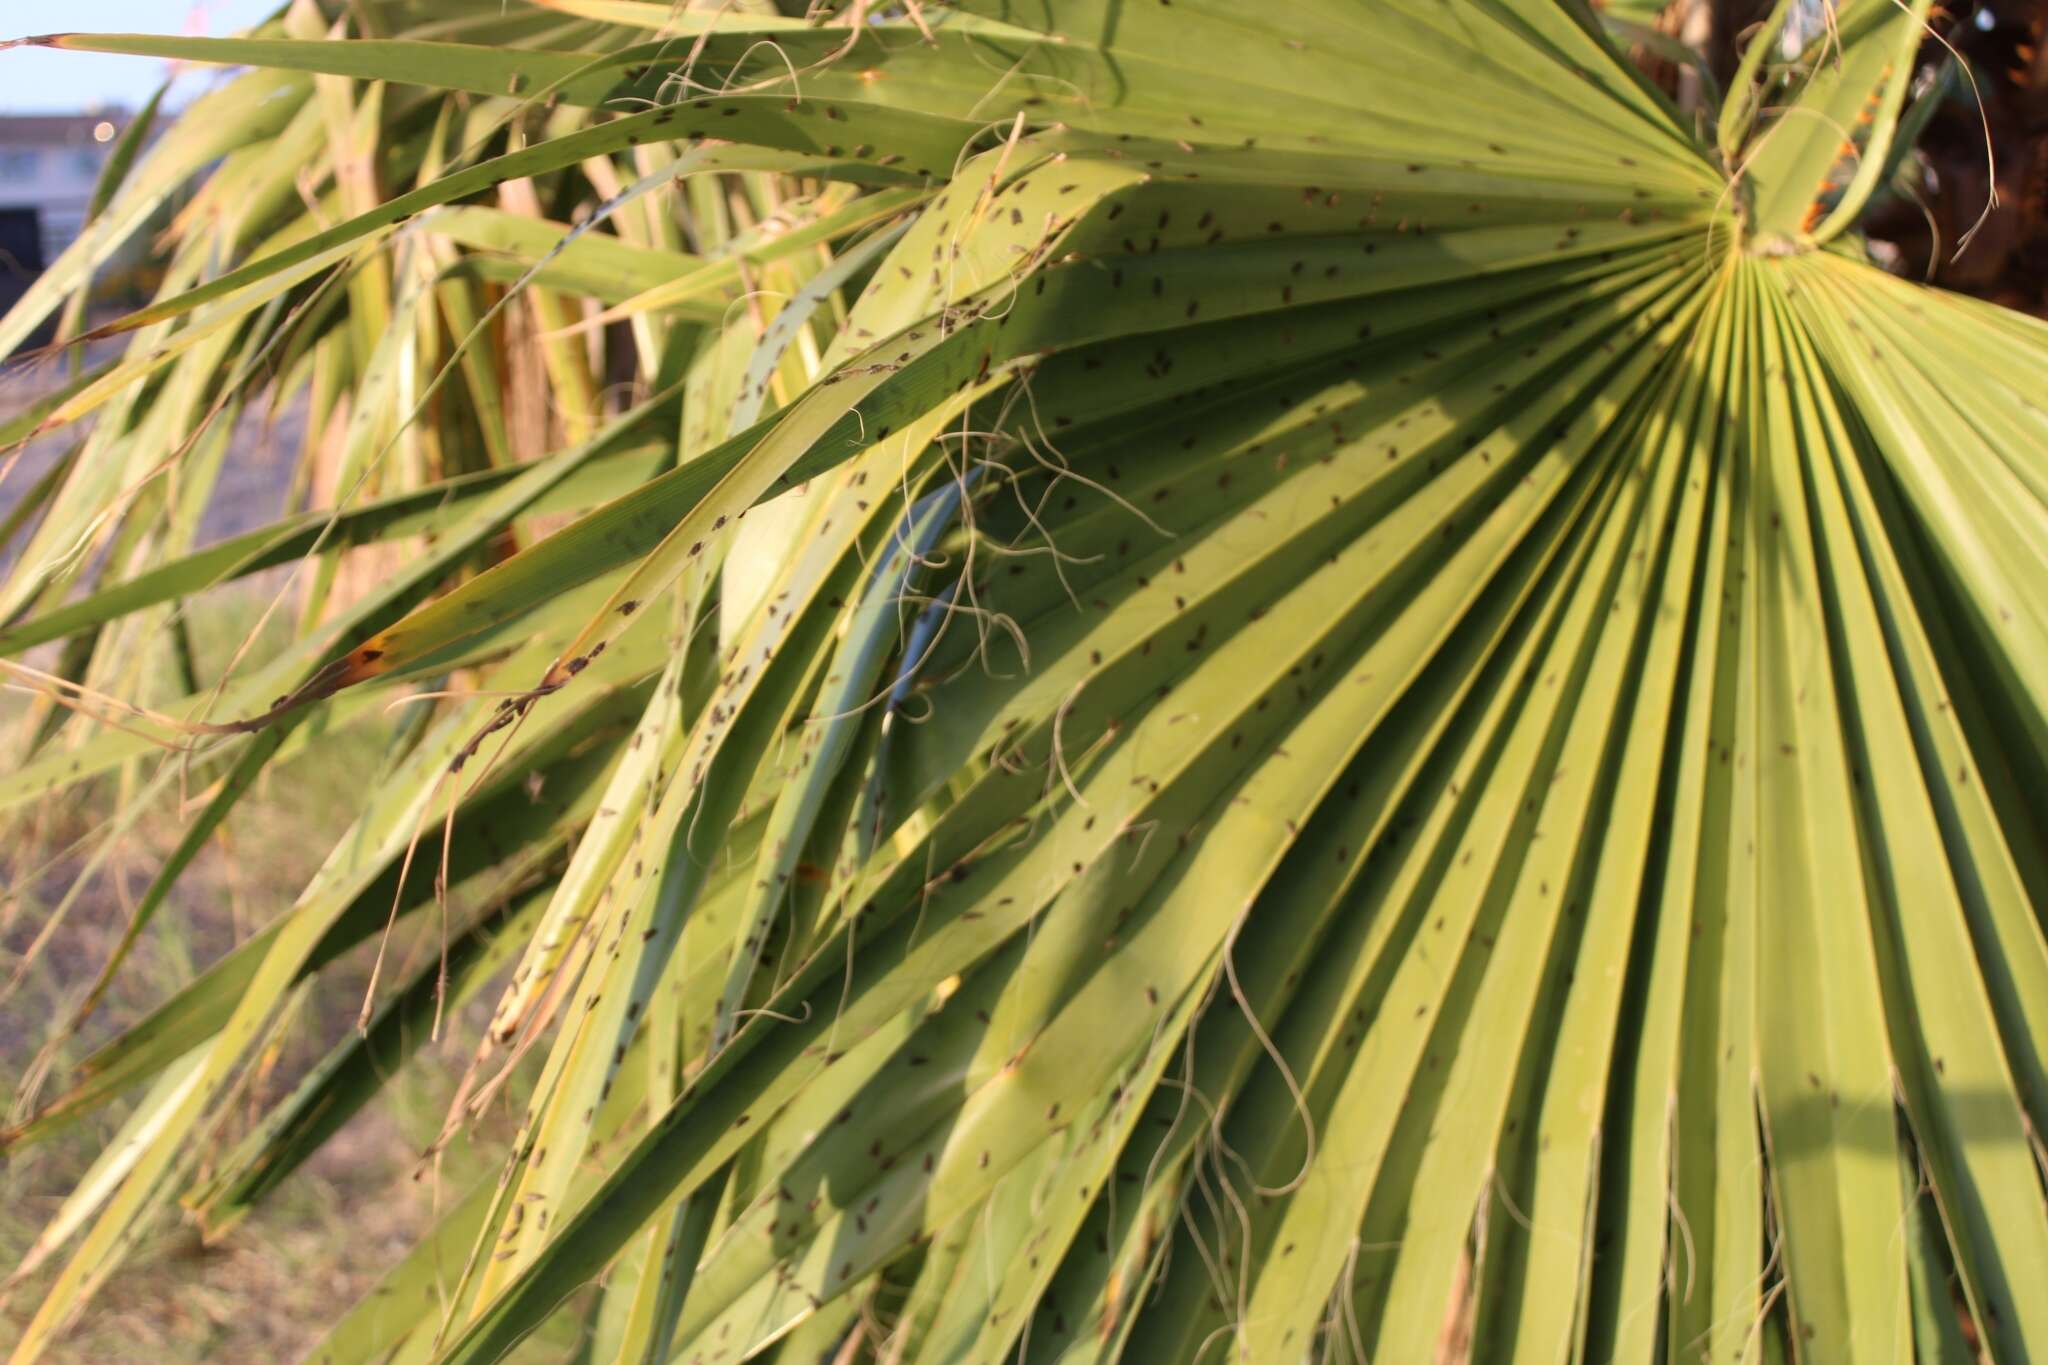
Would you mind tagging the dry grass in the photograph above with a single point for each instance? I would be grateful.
(265, 1289)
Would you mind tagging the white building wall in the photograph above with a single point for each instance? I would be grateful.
(56, 178)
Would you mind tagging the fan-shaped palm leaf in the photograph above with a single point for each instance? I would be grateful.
(1289, 680)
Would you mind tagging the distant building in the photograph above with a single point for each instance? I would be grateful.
(49, 164)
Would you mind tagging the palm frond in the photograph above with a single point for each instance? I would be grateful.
(1293, 678)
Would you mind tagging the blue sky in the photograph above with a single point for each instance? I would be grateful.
(38, 80)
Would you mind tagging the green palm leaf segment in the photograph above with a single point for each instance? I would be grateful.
(1287, 681)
